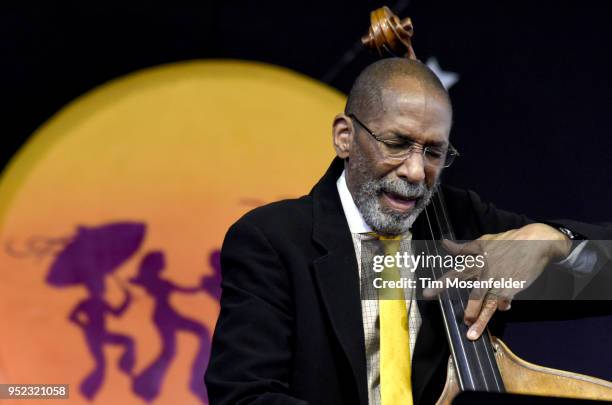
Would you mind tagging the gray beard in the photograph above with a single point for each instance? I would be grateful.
(384, 220)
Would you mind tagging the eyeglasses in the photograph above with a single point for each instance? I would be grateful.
(397, 149)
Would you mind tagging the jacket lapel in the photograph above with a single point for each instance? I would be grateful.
(337, 276)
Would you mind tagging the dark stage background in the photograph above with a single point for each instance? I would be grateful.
(532, 104)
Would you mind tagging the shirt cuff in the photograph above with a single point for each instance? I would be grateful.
(581, 259)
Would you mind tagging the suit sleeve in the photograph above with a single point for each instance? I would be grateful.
(252, 345)
(594, 285)
(494, 220)
(471, 217)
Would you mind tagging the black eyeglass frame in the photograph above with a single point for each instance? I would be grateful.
(449, 158)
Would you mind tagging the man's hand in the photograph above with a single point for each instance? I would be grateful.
(505, 258)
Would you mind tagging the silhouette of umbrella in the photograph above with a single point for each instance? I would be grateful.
(94, 252)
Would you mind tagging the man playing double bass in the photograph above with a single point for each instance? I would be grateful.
(292, 327)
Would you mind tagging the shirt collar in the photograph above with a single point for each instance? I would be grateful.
(351, 212)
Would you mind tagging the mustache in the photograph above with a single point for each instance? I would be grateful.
(403, 188)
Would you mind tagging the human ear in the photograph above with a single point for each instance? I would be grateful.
(342, 132)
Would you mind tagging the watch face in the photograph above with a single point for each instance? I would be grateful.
(571, 234)
(567, 232)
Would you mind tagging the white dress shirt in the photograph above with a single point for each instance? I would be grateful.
(369, 308)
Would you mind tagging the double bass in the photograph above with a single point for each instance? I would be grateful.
(486, 364)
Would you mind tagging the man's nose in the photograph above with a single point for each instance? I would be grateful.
(413, 168)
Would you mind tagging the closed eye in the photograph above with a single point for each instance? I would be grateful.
(398, 143)
(435, 153)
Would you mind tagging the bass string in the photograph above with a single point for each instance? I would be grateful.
(480, 343)
(448, 233)
(485, 341)
(447, 323)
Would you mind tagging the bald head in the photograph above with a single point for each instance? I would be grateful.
(366, 97)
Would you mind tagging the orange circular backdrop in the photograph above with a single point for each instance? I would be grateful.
(113, 213)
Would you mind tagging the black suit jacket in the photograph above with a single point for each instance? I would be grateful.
(290, 328)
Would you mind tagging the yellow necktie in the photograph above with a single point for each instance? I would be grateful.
(395, 383)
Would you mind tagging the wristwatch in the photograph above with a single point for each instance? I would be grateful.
(574, 237)
(571, 235)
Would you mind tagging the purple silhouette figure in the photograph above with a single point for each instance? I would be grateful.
(212, 283)
(86, 260)
(168, 323)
